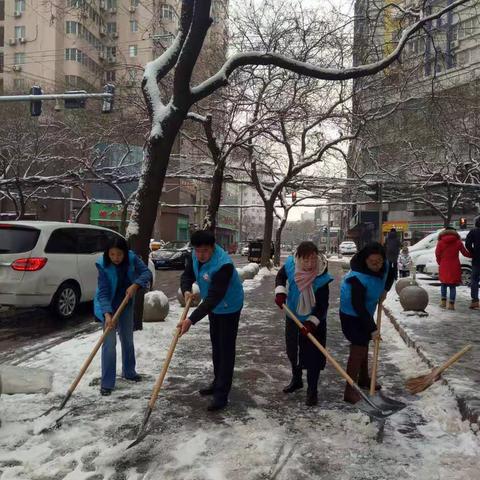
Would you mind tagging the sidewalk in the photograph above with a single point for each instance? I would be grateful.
(441, 334)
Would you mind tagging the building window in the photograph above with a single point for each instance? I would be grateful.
(111, 51)
(111, 3)
(19, 58)
(19, 5)
(110, 76)
(111, 27)
(19, 84)
(133, 26)
(2, 10)
(19, 32)
(1, 62)
(71, 27)
(167, 12)
(133, 50)
(2, 36)
(134, 3)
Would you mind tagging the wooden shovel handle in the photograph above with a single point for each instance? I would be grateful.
(173, 344)
(335, 364)
(453, 359)
(376, 350)
(107, 330)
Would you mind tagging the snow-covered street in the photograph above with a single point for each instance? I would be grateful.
(263, 434)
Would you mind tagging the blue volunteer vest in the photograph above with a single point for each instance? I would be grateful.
(233, 300)
(111, 272)
(374, 288)
(293, 291)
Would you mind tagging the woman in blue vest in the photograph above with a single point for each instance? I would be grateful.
(120, 273)
(307, 296)
(367, 283)
(221, 292)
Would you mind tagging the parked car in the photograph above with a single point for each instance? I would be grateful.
(50, 264)
(347, 248)
(421, 252)
(244, 251)
(431, 266)
(255, 250)
(173, 255)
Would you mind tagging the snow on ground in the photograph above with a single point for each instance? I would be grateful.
(263, 435)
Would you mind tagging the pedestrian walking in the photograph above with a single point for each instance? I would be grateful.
(367, 283)
(449, 245)
(472, 243)
(404, 263)
(121, 273)
(307, 296)
(392, 250)
(221, 292)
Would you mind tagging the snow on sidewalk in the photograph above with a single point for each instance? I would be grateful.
(441, 334)
(263, 434)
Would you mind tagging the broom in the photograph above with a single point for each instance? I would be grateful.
(419, 384)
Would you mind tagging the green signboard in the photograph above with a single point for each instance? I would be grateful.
(105, 213)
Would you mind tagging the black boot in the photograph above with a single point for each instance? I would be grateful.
(207, 390)
(312, 398)
(218, 403)
(296, 382)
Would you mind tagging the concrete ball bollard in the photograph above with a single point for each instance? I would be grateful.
(181, 298)
(404, 282)
(414, 298)
(248, 273)
(255, 267)
(155, 306)
(240, 273)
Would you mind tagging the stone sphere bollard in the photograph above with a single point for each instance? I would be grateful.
(240, 274)
(155, 306)
(248, 272)
(181, 298)
(255, 267)
(404, 282)
(414, 298)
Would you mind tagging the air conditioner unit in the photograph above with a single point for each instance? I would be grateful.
(17, 68)
(132, 9)
(103, 30)
(22, 40)
(115, 35)
(12, 41)
(17, 14)
(101, 55)
(113, 10)
(112, 59)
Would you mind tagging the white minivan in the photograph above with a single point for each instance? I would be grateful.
(50, 264)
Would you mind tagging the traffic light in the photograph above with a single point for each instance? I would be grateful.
(463, 223)
(294, 196)
(107, 105)
(36, 105)
(75, 102)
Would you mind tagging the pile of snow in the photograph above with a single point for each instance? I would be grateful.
(24, 380)
(155, 307)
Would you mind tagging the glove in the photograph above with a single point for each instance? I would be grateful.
(308, 327)
(280, 299)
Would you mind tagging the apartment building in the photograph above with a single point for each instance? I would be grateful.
(437, 79)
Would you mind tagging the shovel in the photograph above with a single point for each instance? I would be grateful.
(369, 405)
(86, 364)
(142, 433)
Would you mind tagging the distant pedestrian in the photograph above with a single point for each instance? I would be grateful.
(472, 243)
(392, 250)
(449, 245)
(366, 284)
(222, 296)
(307, 296)
(121, 273)
(405, 263)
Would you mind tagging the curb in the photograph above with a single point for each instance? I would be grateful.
(468, 412)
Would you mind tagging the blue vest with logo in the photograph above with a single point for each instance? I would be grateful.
(233, 300)
(374, 287)
(111, 272)
(293, 291)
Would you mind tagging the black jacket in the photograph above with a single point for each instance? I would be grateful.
(392, 247)
(472, 243)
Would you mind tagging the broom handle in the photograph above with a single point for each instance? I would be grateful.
(453, 359)
(107, 330)
(335, 364)
(173, 344)
(376, 350)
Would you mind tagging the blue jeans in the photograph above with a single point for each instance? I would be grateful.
(109, 351)
(475, 280)
(453, 292)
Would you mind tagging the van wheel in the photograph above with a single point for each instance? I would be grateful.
(466, 276)
(65, 300)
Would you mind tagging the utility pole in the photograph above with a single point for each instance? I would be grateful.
(240, 227)
(380, 212)
(328, 229)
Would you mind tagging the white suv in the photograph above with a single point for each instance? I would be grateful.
(50, 264)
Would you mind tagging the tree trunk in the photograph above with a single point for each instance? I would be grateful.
(267, 235)
(278, 242)
(210, 220)
(123, 219)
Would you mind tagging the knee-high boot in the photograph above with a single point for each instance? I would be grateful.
(354, 365)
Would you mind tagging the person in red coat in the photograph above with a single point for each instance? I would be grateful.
(450, 272)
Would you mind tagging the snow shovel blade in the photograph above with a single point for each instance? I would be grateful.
(387, 402)
(379, 406)
(143, 432)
